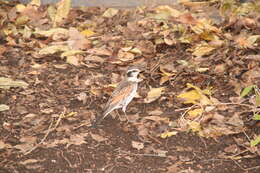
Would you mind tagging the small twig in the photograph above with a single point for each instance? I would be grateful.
(248, 138)
(50, 129)
(45, 136)
(238, 104)
(134, 154)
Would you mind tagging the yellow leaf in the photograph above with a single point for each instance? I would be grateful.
(36, 2)
(164, 79)
(202, 49)
(111, 12)
(167, 11)
(7, 83)
(62, 12)
(194, 113)
(195, 96)
(87, 32)
(71, 53)
(21, 20)
(52, 32)
(154, 94)
(20, 7)
(190, 97)
(195, 126)
(168, 134)
(165, 73)
(136, 51)
(52, 12)
(166, 76)
(53, 49)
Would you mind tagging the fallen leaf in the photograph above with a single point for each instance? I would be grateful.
(98, 138)
(125, 56)
(246, 90)
(168, 134)
(137, 145)
(194, 126)
(77, 139)
(71, 53)
(4, 145)
(24, 147)
(53, 49)
(94, 58)
(166, 76)
(165, 11)
(236, 121)
(28, 161)
(111, 12)
(202, 49)
(154, 94)
(156, 118)
(73, 60)
(3, 107)
(35, 2)
(63, 8)
(195, 96)
(245, 41)
(99, 51)
(7, 83)
(87, 33)
(55, 33)
(77, 41)
(195, 113)
(256, 117)
(255, 141)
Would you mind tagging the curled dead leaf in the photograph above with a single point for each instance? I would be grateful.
(154, 94)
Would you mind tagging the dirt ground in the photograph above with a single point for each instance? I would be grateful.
(47, 126)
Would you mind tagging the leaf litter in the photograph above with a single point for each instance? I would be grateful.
(201, 79)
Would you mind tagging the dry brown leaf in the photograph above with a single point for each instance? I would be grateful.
(77, 139)
(100, 51)
(137, 145)
(202, 49)
(73, 60)
(24, 147)
(156, 118)
(125, 56)
(28, 161)
(77, 41)
(4, 145)
(55, 33)
(98, 138)
(154, 94)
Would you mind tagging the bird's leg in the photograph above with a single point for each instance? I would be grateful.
(126, 117)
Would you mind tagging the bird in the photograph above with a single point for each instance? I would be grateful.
(123, 94)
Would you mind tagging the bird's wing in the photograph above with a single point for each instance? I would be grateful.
(120, 94)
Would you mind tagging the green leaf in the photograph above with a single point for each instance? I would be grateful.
(7, 83)
(246, 91)
(255, 141)
(256, 117)
(3, 107)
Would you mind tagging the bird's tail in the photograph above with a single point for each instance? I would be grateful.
(101, 117)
